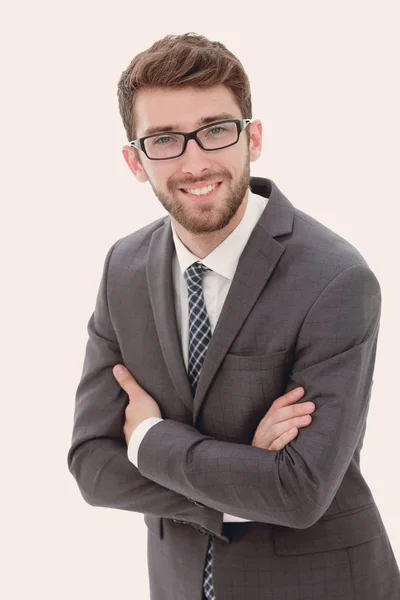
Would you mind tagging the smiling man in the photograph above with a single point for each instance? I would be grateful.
(204, 189)
(207, 322)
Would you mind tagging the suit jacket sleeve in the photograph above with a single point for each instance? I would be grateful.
(334, 362)
(97, 457)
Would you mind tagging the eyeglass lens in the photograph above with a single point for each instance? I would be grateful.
(167, 145)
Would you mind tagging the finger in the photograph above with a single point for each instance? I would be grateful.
(277, 411)
(125, 379)
(289, 397)
(284, 439)
(281, 415)
(276, 414)
(278, 429)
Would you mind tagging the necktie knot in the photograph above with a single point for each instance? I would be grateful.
(194, 275)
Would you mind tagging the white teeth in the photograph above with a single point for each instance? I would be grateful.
(201, 191)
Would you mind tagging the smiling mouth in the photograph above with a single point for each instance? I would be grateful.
(199, 195)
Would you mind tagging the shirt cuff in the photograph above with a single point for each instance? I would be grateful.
(138, 435)
(226, 518)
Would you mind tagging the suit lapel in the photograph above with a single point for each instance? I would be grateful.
(256, 265)
(160, 282)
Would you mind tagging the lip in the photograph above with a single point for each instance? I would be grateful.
(206, 198)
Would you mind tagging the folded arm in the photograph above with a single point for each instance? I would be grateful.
(98, 457)
(334, 362)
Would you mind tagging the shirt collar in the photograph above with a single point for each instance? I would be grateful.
(225, 257)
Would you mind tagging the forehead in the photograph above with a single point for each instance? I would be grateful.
(181, 109)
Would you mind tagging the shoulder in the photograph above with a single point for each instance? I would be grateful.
(133, 248)
(319, 250)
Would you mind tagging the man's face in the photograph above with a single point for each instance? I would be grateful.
(231, 166)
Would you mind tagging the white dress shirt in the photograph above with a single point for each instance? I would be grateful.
(222, 261)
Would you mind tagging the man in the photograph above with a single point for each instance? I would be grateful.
(218, 311)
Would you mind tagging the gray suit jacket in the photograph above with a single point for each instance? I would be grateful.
(303, 309)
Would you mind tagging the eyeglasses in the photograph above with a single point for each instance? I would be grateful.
(171, 144)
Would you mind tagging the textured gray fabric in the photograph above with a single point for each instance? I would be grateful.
(303, 309)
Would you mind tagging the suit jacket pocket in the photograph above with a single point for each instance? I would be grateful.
(255, 362)
(154, 524)
(241, 394)
(340, 531)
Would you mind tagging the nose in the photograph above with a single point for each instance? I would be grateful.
(195, 159)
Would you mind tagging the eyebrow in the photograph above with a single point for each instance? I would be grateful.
(202, 121)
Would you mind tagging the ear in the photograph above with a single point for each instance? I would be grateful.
(134, 164)
(255, 146)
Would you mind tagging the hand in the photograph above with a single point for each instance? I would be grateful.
(280, 424)
(141, 404)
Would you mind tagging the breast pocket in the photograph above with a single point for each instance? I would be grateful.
(242, 392)
(256, 362)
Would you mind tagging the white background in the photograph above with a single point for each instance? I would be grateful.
(324, 80)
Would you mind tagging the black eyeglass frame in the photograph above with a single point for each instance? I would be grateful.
(241, 125)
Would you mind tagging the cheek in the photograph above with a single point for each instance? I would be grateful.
(158, 179)
(167, 179)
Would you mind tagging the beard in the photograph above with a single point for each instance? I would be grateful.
(212, 216)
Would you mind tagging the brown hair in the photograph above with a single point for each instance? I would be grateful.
(182, 60)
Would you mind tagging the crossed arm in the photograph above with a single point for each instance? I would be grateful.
(291, 487)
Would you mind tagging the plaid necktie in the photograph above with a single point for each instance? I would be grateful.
(199, 337)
